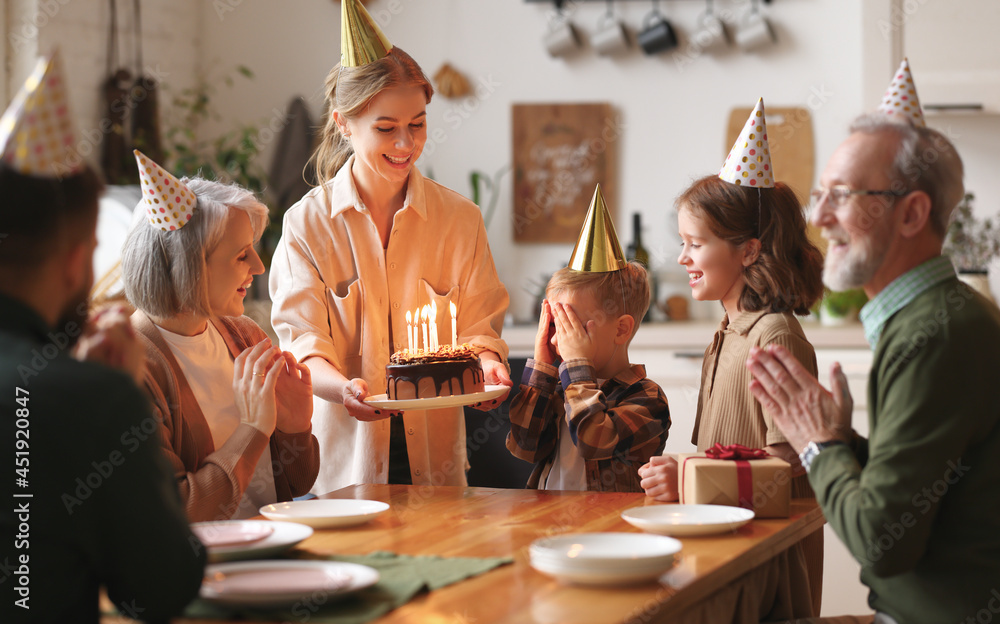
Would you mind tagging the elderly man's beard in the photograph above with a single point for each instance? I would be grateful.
(855, 267)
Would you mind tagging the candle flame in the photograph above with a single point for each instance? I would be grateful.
(454, 309)
(434, 309)
(424, 312)
(409, 317)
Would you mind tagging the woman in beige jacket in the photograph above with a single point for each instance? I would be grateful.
(374, 240)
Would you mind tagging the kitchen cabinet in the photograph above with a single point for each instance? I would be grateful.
(952, 50)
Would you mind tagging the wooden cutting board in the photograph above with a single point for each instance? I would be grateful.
(793, 151)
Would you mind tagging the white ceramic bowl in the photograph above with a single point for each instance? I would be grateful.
(576, 574)
(605, 550)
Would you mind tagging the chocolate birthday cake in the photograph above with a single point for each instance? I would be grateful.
(445, 372)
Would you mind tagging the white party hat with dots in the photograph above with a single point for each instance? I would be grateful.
(36, 131)
(901, 97)
(169, 203)
(749, 161)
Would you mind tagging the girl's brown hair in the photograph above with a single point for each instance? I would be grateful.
(788, 273)
(349, 90)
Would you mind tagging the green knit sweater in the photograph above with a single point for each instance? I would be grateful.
(918, 503)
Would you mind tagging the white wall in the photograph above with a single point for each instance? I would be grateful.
(171, 38)
(674, 115)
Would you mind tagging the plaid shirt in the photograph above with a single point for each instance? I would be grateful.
(616, 427)
(904, 289)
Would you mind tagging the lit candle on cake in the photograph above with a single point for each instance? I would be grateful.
(423, 317)
(434, 326)
(454, 326)
(409, 332)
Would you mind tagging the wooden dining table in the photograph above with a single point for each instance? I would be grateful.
(488, 522)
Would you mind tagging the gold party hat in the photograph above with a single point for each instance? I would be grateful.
(361, 40)
(598, 250)
(901, 97)
(749, 161)
(169, 203)
(36, 132)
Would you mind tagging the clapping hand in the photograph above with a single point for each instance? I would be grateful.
(108, 338)
(294, 395)
(255, 376)
(803, 409)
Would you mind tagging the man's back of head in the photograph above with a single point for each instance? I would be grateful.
(47, 236)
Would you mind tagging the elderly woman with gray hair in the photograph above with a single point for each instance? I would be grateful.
(234, 411)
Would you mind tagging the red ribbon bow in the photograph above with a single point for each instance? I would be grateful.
(744, 477)
(735, 451)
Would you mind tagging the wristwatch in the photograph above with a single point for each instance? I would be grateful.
(812, 449)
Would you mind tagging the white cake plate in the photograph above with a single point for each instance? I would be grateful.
(455, 400)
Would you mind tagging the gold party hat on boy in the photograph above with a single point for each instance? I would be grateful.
(169, 203)
(36, 131)
(598, 250)
(749, 161)
(361, 40)
(901, 97)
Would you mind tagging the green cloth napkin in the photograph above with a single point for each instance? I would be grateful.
(401, 578)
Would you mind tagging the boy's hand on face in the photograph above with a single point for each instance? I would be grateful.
(573, 337)
(543, 345)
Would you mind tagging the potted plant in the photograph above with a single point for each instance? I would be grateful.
(972, 244)
(840, 307)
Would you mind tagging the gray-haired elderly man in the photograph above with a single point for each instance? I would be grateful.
(918, 502)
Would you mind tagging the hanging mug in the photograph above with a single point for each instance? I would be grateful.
(657, 35)
(754, 32)
(610, 38)
(562, 38)
(712, 36)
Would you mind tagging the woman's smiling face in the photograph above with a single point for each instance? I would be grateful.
(230, 267)
(389, 135)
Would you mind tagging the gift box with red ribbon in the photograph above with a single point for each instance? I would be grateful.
(738, 476)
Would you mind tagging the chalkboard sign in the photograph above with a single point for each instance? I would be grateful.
(561, 153)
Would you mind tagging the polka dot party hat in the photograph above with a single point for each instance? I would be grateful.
(749, 162)
(169, 204)
(36, 131)
(901, 97)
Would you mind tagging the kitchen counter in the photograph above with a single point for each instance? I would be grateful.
(695, 336)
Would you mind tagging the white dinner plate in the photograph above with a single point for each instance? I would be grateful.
(456, 400)
(605, 550)
(282, 536)
(280, 583)
(231, 532)
(325, 513)
(687, 520)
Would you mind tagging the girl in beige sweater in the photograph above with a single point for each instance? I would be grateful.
(747, 248)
